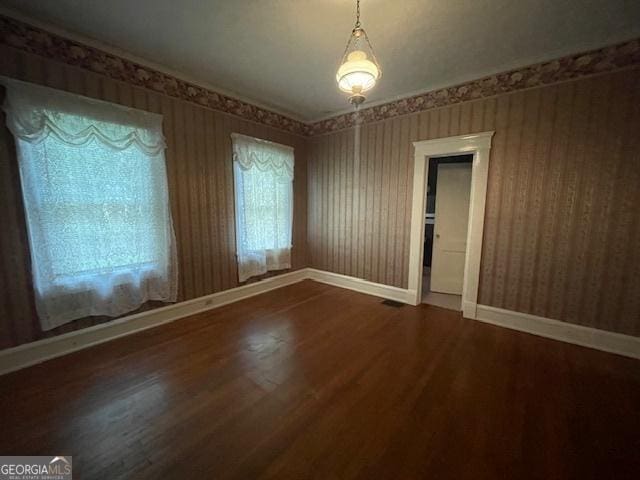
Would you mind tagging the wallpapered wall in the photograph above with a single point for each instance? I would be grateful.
(562, 226)
(200, 183)
(562, 235)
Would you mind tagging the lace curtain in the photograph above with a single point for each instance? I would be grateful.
(263, 175)
(96, 199)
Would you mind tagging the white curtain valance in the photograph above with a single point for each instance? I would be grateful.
(249, 152)
(35, 112)
(263, 181)
(94, 185)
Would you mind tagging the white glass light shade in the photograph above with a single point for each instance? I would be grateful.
(358, 74)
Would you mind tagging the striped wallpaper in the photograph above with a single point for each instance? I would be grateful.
(561, 234)
(562, 226)
(200, 186)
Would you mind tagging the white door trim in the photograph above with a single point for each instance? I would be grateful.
(479, 144)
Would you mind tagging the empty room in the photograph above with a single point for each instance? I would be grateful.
(340, 239)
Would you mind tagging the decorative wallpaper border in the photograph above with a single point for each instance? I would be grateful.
(30, 39)
(555, 71)
(22, 36)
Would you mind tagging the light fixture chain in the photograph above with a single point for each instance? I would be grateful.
(357, 13)
(373, 54)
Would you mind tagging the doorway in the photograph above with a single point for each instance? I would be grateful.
(479, 145)
(445, 236)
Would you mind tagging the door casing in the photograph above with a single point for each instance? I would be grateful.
(478, 144)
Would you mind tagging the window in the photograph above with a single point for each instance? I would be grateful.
(263, 174)
(96, 200)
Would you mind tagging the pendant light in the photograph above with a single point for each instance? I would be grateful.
(359, 69)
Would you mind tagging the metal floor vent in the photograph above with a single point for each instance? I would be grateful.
(392, 303)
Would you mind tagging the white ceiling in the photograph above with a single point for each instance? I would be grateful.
(284, 53)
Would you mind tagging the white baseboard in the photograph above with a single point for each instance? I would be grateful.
(39, 351)
(22, 356)
(360, 285)
(566, 332)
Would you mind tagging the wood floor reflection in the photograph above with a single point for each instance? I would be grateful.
(312, 381)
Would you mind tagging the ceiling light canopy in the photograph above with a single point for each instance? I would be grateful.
(359, 70)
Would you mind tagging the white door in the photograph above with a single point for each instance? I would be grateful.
(453, 189)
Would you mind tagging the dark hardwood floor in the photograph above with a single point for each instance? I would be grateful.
(312, 381)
